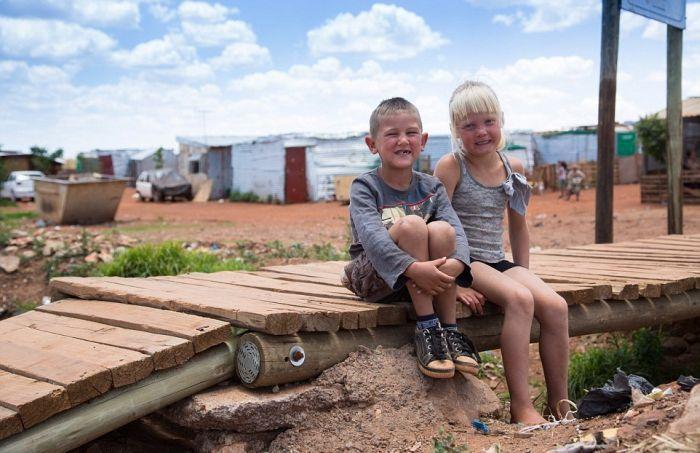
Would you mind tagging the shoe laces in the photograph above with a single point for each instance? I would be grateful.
(460, 344)
(436, 343)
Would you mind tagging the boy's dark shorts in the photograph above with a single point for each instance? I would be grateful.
(500, 266)
(361, 278)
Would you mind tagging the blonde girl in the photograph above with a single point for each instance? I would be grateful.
(483, 185)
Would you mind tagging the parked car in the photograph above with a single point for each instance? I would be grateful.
(20, 185)
(157, 185)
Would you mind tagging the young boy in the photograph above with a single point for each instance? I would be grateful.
(408, 242)
(575, 179)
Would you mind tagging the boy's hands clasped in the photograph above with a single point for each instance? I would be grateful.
(433, 277)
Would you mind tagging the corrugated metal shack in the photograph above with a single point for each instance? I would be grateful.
(206, 163)
(579, 144)
(146, 160)
(294, 168)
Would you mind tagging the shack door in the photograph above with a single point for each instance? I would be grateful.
(295, 175)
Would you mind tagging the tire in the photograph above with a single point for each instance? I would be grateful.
(157, 196)
(13, 197)
(189, 195)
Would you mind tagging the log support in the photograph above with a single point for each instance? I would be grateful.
(265, 360)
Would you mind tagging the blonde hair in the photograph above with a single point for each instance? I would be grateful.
(390, 107)
(470, 98)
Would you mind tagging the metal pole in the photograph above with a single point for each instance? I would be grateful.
(674, 123)
(606, 121)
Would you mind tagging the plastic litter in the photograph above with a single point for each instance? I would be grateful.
(480, 426)
(687, 382)
(614, 396)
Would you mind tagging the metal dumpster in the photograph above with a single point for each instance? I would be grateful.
(82, 199)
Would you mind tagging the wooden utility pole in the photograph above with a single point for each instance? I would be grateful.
(674, 123)
(610, 34)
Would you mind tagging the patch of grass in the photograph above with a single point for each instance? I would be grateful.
(246, 197)
(25, 306)
(19, 215)
(640, 354)
(7, 203)
(322, 252)
(168, 258)
(444, 442)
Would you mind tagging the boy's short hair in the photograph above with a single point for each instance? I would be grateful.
(473, 97)
(391, 107)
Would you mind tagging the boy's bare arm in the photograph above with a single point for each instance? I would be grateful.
(428, 277)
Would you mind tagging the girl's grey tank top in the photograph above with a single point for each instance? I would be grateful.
(480, 209)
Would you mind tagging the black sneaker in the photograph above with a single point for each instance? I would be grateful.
(433, 355)
(463, 352)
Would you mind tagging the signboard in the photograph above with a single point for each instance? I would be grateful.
(671, 12)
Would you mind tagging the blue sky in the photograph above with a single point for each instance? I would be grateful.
(86, 74)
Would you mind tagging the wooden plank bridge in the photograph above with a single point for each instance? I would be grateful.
(103, 338)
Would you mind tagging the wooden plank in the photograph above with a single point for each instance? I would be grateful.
(202, 332)
(620, 291)
(318, 279)
(82, 380)
(361, 314)
(251, 314)
(125, 365)
(74, 428)
(271, 284)
(10, 423)
(33, 400)
(165, 351)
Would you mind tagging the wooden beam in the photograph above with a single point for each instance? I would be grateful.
(674, 124)
(82, 424)
(610, 34)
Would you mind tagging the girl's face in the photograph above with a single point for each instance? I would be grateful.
(480, 133)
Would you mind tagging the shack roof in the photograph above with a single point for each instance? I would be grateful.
(690, 108)
(214, 140)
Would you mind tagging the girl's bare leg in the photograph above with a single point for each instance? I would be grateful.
(551, 311)
(518, 305)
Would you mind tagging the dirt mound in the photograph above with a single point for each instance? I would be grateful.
(388, 405)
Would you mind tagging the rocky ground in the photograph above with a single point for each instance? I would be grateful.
(377, 400)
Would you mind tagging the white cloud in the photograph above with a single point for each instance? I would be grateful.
(653, 29)
(241, 54)
(92, 12)
(217, 34)
(387, 32)
(171, 50)
(543, 15)
(540, 69)
(204, 12)
(39, 74)
(161, 10)
(50, 38)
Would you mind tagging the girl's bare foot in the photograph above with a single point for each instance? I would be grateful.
(528, 416)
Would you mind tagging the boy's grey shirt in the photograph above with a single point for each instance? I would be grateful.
(375, 206)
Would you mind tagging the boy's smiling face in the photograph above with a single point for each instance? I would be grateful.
(399, 141)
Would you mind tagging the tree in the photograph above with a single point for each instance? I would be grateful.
(158, 158)
(42, 159)
(651, 131)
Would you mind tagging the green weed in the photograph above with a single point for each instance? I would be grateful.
(168, 258)
(22, 307)
(640, 354)
(246, 197)
(445, 442)
(19, 215)
(323, 252)
(6, 203)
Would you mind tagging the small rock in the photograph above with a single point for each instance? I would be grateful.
(276, 389)
(630, 414)
(106, 257)
(9, 264)
(51, 247)
(650, 418)
(689, 422)
(28, 254)
(690, 337)
(41, 223)
(11, 249)
(538, 224)
(92, 258)
(674, 345)
(18, 234)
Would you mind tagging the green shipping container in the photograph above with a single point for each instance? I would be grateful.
(626, 143)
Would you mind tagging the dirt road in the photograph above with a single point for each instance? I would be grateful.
(553, 222)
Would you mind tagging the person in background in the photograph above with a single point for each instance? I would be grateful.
(574, 180)
(561, 178)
